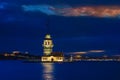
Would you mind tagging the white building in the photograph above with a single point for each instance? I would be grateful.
(49, 55)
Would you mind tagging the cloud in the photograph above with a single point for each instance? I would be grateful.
(94, 11)
(42, 8)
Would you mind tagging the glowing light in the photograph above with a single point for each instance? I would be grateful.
(97, 51)
(48, 71)
(78, 52)
(48, 36)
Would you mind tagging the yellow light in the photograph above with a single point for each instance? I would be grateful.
(97, 51)
(12, 54)
(48, 36)
(48, 71)
(6, 54)
(83, 52)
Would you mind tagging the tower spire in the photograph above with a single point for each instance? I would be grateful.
(47, 43)
(48, 25)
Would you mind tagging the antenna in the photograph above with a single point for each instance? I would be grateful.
(48, 24)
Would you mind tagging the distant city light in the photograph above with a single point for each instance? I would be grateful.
(80, 52)
(96, 51)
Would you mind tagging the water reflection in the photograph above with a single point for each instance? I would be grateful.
(48, 70)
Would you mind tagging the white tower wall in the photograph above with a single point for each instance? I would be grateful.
(48, 45)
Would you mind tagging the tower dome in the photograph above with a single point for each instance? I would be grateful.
(48, 36)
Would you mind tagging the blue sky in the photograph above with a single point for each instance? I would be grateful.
(24, 31)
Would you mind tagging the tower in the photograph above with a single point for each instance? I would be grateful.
(47, 45)
(49, 55)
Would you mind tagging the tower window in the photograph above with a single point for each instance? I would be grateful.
(48, 43)
(45, 43)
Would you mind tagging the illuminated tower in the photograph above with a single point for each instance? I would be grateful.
(48, 45)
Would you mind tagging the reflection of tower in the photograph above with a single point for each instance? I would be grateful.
(48, 70)
(48, 45)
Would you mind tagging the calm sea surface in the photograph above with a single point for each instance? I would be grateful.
(17, 70)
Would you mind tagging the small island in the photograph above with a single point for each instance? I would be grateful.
(50, 56)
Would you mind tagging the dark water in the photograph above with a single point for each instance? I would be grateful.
(16, 70)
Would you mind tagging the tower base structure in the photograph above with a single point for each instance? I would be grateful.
(54, 57)
(49, 55)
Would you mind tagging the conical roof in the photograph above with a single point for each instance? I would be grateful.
(48, 36)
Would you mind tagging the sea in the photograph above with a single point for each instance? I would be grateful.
(83, 70)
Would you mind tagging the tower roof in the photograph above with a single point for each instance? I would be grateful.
(48, 36)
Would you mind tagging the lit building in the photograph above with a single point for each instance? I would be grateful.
(49, 55)
(48, 45)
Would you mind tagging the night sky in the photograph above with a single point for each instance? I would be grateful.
(25, 30)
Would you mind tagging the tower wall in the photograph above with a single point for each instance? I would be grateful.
(47, 45)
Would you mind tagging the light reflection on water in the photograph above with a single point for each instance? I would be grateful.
(48, 70)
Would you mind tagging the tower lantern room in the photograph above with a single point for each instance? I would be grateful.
(48, 45)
